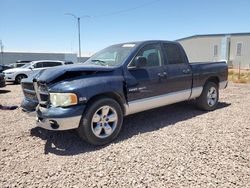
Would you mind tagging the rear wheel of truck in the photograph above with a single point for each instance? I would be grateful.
(101, 122)
(209, 97)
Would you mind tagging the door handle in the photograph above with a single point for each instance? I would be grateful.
(186, 71)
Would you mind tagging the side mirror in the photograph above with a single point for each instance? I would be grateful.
(140, 61)
(31, 67)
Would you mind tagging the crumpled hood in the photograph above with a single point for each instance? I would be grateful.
(52, 74)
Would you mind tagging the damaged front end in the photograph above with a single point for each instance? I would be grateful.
(48, 96)
(30, 100)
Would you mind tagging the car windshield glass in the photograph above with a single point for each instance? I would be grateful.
(111, 56)
(26, 65)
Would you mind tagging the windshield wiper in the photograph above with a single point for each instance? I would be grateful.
(99, 61)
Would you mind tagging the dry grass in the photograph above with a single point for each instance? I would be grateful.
(233, 75)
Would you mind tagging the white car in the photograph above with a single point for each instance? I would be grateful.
(17, 74)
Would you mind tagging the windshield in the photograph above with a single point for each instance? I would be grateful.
(27, 65)
(111, 56)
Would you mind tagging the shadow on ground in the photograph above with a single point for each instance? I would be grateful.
(68, 143)
(3, 91)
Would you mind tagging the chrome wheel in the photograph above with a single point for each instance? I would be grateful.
(212, 96)
(104, 122)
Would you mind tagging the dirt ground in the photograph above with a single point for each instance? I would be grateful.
(173, 146)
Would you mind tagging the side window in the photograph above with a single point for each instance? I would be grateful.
(215, 50)
(51, 64)
(173, 53)
(238, 49)
(38, 65)
(152, 53)
(68, 63)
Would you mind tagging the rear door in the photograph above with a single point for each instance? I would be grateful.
(144, 82)
(179, 74)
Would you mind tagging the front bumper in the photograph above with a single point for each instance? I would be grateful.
(29, 106)
(59, 119)
(9, 77)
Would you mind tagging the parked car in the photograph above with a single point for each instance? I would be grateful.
(2, 80)
(120, 80)
(17, 74)
(20, 63)
(4, 67)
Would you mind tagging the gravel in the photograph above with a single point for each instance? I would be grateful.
(173, 146)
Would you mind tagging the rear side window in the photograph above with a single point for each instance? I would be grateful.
(68, 63)
(173, 53)
(51, 64)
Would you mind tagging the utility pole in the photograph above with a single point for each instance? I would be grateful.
(79, 35)
(79, 29)
(1, 46)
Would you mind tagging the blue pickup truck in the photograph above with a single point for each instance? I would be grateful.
(120, 80)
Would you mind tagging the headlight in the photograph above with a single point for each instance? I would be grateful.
(63, 99)
(8, 72)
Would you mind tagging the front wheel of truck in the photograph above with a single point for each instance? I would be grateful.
(101, 122)
(209, 97)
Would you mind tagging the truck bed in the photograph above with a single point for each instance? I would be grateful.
(204, 70)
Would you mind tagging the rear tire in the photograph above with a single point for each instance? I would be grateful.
(209, 97)
(101, 122)
(19, 78)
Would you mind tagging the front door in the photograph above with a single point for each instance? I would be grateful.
(145, 82)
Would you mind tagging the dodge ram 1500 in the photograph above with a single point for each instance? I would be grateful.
(120, 80)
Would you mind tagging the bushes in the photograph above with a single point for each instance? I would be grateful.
(233, 76)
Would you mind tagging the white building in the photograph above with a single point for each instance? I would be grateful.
(234, 48)
(12, 57)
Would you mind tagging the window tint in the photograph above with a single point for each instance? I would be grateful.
(38, 65)
(173, 53)
(152, 53)
(68, 63)
(51, 64)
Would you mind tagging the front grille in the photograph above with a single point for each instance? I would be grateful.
(29, 91)
(30, 96)
(42, 93)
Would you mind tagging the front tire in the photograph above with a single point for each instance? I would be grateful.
(209, 97)
(101, 122)
(19, 78)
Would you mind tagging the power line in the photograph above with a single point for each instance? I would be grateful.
(126, 10)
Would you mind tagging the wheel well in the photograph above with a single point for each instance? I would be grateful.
(111, 95)
(20, 75)
(213, 79)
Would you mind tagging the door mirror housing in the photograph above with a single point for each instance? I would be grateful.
(31, 67)
(140, 62)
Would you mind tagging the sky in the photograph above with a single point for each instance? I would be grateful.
(42, 26)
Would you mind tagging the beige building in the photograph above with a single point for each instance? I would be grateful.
(233, 48)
